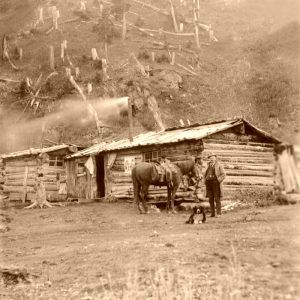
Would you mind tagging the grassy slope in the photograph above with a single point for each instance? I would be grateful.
(252, 71)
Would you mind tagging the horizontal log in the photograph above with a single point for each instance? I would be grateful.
(120, 174)
(244, 159)
(218, 147)
(16, 189)
(119, 188)
(21, 163)
(249, 173)
(19, 197)
(120, 180)
(54, 170)
(248, 166)
(20, 176)
(218, 141)
(19, 182)
(238, 187)
(241, 153)
(11, 170)
(235, 180)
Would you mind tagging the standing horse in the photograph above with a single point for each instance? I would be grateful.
(145, 174)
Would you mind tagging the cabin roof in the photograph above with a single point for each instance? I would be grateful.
(170, 135)
(36, 151)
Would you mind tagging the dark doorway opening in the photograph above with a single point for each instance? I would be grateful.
(100, 176)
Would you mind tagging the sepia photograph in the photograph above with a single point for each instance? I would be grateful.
(150, 149)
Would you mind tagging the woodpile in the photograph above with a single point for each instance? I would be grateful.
(289, 172)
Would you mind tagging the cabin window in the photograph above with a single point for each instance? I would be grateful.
(152, 155)
(56, 161)
(80, 168)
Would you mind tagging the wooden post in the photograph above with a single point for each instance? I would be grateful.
(173, 59)
(77, 72)
(173, 16)
(20, 54)
(130, 120)
(106, 52)
(196, 25)
(100, 8)
(25, 185)
(197, 36)
(4, 47)
(94, 54)
(124, 27)
(63, 47)
(198, 10)
(41, 15)
(153, 56)
(89, 88)
(55, 16)
(104, 69)
(82, 5)
(181, 27)
(52, 64)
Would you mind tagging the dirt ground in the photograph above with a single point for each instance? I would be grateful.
(108, 251)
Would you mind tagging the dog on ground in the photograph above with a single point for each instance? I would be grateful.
(195, 217)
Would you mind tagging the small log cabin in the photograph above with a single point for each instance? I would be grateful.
(21, 169)
(247, 153)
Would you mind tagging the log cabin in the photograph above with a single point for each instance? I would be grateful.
(21, 169)
(248, 154)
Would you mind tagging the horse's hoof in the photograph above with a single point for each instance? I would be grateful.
(174, 212)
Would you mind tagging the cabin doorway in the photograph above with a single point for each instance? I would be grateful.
(100, 176)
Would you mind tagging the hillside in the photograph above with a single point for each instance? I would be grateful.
(251, 71)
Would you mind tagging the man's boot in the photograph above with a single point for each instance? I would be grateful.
(218, 204)
(212, 207)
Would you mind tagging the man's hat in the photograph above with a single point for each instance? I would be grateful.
(211, 154)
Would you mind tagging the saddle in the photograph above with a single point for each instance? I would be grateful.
(164, 172)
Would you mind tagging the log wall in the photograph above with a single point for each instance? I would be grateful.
(248, 163)
(20, 176)
(119, 183)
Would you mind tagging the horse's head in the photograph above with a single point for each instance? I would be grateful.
(196, 171)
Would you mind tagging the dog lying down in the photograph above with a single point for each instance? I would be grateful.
(195, 217)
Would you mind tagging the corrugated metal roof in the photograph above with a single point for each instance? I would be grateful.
(34, 151)
(171, 135)
(158, 138)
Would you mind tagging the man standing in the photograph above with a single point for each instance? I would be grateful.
(214, 176)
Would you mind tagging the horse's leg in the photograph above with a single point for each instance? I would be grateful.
(203, 215)
(173, 193)
(168, 199)
(144, 193)
(139, 198)
(136, 190)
